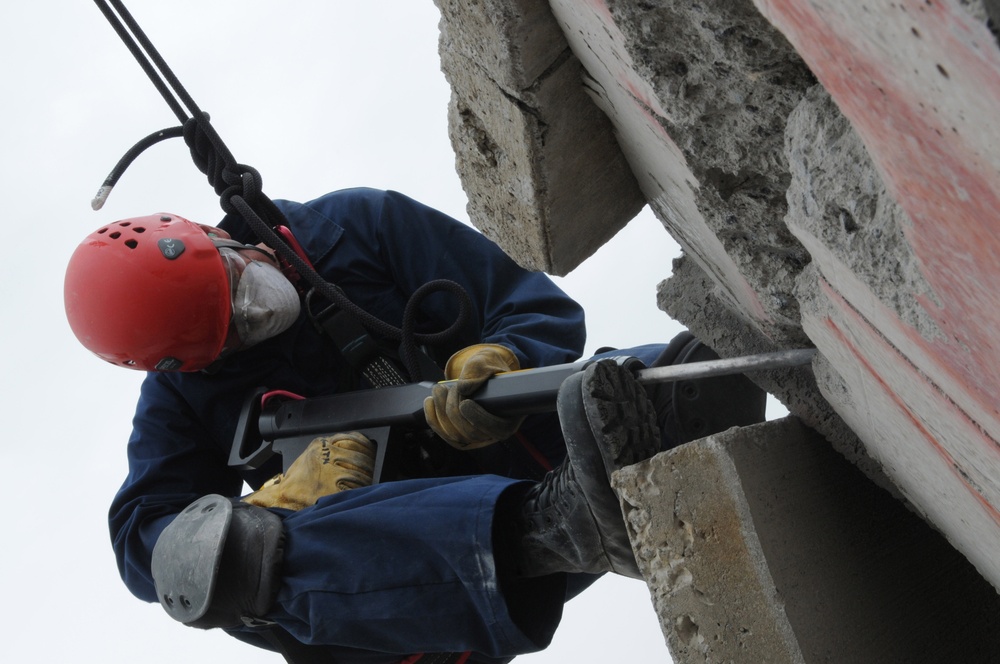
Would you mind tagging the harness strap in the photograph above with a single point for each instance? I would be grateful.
(358, 348)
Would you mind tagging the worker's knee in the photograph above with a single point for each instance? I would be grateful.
(217, 564)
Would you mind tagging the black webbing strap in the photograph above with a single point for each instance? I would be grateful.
(358, 348)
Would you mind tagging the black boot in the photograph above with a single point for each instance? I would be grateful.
(572, 521)
(556, 530)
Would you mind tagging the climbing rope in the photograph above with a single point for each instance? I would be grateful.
(240, 192)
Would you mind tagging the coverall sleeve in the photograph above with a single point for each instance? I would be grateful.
(172, 462)
(520, 309)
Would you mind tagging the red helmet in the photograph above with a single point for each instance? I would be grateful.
(149, 293)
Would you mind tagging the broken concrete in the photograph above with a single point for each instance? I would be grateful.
(832, 172)
(699, 94)
(690, 295)
(761, 544)
(545, 177)
(902, 298)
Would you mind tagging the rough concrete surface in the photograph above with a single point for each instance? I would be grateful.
(763, 545)
(699, 94)
(838, 204)
(902, 300)
(832, 172)
(545, 177)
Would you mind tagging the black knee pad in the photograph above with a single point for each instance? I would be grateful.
(217, 564)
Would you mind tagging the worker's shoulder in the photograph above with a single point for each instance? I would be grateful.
(343, 207)
(367, 210)
(366, 200)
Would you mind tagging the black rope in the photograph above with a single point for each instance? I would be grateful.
(140, 57)
(407, 335)
(109, 182)
(240, 192)
(410, 338)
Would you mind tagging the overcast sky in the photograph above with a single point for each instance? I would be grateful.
(316, 94)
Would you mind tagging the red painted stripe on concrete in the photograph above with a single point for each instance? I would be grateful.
(920, 82)
(900, 364)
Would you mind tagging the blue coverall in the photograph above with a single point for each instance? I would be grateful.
(381, 572)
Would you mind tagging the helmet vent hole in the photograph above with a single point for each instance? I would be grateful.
(139, 229)
(115, 235)
(125, 224)
(131, 244)
(102, 231)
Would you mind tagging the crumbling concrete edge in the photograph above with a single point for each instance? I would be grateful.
(545, 177)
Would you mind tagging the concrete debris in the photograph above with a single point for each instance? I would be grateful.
(763, 545)
(832, 173)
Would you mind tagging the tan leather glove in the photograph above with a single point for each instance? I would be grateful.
(455, 417)
(328, 465)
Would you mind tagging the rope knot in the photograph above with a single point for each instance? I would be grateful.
(244, 182)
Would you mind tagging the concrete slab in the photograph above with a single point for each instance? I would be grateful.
(902, 295)
(905, 374)
(920, 83)
(858, 215)
(698, 94)
(762, 544)
(545, 177)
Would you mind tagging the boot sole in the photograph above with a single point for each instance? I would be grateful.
(607, 422)
(620, 415)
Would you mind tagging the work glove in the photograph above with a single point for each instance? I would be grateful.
(328, 465)
(453, 415)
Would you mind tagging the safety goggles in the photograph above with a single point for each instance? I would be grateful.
(234, 263)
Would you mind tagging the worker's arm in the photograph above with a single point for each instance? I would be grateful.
(172, 462)
(391, 245)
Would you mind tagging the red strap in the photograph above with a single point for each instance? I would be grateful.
(533, 451)
(293, 243)
(286, 268)
(439, 658)
(274, 394)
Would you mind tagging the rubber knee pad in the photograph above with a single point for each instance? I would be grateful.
(217, 563)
